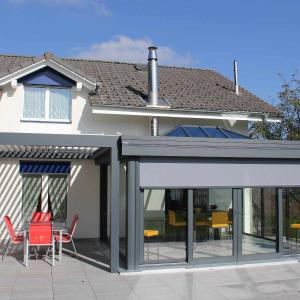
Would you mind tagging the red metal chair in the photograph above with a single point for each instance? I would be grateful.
(41, 234)
(41, 217)
(68, 237)
(14, 238)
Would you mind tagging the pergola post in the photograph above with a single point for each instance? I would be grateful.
(114, 211)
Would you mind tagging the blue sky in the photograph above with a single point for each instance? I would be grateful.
(263, 35)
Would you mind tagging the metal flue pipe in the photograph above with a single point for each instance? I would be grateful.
(153, 87)
(236, 82)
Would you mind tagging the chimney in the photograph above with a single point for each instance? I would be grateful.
(153, 86)
(236, 82)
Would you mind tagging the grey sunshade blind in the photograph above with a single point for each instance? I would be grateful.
(58, 188)
(31, 195)
(218, 174)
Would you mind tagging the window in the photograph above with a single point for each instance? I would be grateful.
(47, 104)
(45, 192)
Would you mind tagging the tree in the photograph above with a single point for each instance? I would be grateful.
(289, 107)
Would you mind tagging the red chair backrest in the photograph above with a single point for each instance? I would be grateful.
(41, 216)
(73, 225)
(9, 226)
(40, 233)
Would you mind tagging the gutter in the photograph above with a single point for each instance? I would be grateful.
(180, 113)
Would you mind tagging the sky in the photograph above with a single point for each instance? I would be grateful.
(262, 35)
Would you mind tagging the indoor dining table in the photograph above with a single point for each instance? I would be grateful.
(57, 227)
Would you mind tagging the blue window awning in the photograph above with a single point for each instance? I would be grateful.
(45, 167)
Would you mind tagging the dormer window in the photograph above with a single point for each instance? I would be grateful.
(47, 96)
(47, 104)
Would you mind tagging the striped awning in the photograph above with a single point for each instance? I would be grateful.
(45, 167)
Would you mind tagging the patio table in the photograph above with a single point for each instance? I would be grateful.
(56, 227)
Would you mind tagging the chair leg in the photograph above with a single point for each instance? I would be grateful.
(74, 248)
(35, 253)
(53, 253)
(6, 248)
(27, 254)
(46, 255)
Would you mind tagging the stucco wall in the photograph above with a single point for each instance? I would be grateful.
(83, 196)
(85, 122)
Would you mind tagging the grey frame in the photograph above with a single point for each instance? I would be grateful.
(108, 142)
(236, 257)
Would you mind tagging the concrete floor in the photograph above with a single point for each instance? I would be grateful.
(84, 279)
(176, 251)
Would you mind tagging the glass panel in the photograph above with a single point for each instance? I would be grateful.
(31, 195)
(122, 215)
(259, 221)
(59, 104)
(165, 225)
(213, 223)
(57, 197)
(291, 220)
(34, 103)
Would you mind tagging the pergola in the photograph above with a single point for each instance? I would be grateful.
(102, 149)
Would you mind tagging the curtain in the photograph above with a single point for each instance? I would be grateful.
(34, 103)
(57, 195)
(31, 195)
(59, 104)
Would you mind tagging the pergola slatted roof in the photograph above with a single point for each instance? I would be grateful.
(47, 152)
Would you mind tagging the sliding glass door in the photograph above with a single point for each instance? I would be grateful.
(165, 225)
(291, 220)
(208, 225)
(259, 221)
(213, 223)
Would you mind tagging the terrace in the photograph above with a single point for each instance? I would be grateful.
(83, 279)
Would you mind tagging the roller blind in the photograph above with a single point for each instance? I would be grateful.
(218, 174)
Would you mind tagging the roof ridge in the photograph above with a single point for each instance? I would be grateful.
(130, 63)
(107, 61)
(15, 55)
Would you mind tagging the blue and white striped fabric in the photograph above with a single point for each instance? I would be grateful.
(47, 167)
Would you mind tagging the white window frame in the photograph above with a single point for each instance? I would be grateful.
(47, 104)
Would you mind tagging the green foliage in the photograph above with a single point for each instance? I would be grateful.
(289, 107)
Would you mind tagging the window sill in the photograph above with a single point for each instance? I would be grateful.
(46, 121)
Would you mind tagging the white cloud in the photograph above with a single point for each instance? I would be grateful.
(98, 5)
(123, 48)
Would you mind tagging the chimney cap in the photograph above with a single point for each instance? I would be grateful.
(48, 55)
(152, 53)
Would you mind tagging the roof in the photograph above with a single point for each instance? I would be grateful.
(204, 132)
(214, 148)
(125, 85)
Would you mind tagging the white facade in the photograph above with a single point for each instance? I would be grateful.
(83, 196)
(86, 122)
(84, 189)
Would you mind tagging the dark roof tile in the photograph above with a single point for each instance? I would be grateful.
(122, 84)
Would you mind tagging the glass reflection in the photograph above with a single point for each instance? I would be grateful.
(212, 223)
(291, 220)
(259, 221)
(165, 225)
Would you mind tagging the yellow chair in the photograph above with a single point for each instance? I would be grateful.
(295, 226)
(219, 219)
(149, 233)
(173, 221)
